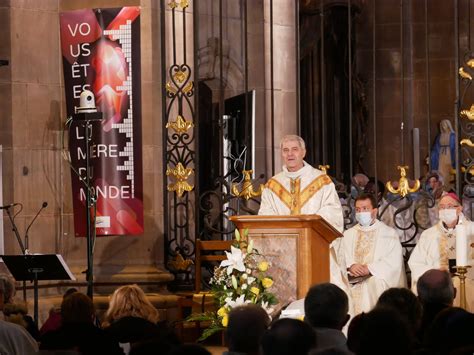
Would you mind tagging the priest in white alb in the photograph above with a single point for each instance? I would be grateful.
(447, 243)
(300, 188)
(373, 256)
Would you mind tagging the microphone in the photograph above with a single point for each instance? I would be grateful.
(8, 206)
(44, 205)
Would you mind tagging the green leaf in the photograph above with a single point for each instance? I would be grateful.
(208, 316)
(209, 331)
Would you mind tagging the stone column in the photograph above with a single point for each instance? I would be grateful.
(284, 76)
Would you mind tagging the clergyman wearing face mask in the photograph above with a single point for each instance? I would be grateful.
(437, 246)
(449, 211)
(373, 256)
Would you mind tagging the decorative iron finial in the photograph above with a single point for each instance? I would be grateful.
(247, 191)
(463, 74)
(324, 168)
(181, 174)
(179, 263)
(182, 3)
(403, 185)
(180, 126)
(463, 169)
(466, 141)
(469, 114)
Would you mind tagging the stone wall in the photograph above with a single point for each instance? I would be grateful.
(386, 150)
(31, 127)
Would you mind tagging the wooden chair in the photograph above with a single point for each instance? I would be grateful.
(200, 301)
(204, 246)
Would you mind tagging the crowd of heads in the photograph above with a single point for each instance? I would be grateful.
(400, 323)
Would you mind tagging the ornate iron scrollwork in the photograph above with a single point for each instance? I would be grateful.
(179, 151)
(466, 136)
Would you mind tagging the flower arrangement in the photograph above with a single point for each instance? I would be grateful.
(239, 280)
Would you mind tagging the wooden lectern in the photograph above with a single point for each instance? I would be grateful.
(297, 247)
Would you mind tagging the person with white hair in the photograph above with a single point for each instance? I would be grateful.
(436, 248)
(14, 339)
(300, 188)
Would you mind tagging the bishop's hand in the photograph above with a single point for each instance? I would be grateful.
(359, 270)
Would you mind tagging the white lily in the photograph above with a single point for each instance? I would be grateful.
(250, 280)
(237, 235)
(234, 282)
(235, 303)
(235, 260)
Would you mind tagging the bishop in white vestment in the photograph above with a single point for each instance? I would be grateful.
(437, 245)
(300, 188)
(373, 257)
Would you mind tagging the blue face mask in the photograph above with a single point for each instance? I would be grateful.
(364, 218)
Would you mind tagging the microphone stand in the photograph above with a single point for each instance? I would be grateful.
(86, 119)
(15, 230)
(33, 270)
(87, 113)
(20, 243)
(89, 203)
(45, 204)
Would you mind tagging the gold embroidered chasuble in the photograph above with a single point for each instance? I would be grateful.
(307, 191)
(295, 198)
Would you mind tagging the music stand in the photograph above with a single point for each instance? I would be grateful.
(37, 267)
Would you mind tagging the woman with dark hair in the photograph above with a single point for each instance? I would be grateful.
(78, 331)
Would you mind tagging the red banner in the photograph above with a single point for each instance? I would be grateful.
(101, 53)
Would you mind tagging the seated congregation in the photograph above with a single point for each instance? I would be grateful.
(399, 323)
(367, 308)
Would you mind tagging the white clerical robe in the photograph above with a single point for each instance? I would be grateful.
(306, 191)
(377, 246)
(434, 249)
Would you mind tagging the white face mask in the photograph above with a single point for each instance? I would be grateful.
(364, 218)
(448, 216)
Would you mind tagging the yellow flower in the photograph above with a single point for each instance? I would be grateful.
(255, 290)
(263, 266)
(267, 283)
(225, 321)
(222, 312)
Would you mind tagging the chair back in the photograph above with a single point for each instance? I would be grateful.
(203, 247)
